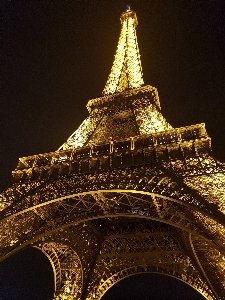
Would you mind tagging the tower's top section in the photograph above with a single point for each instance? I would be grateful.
(126, 71)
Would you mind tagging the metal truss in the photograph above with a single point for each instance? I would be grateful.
(138, 247)
(125, 194)
(62, 211)
(67, 270)
(126, 70)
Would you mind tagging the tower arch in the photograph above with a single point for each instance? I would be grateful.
(67, 269)
(125, 193)
(157, 278)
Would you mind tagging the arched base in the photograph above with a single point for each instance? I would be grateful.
(185, 277)
(151, 286)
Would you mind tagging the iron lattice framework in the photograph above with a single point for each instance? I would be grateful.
(125, 194)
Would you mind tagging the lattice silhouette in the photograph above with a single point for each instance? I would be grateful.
(125, 194)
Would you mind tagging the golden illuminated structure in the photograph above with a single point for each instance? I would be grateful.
(127, 193)
(126, 71)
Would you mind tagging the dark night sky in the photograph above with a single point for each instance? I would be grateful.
(57, 55)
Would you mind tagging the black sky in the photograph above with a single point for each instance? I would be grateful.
(56, 55)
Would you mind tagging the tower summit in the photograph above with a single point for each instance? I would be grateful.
(125, 194)
(126, 72)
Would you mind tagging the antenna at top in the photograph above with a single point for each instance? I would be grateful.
(128, 8)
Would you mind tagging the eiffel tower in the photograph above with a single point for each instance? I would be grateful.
(125, 194)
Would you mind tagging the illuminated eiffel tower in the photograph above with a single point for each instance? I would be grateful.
(126, 194)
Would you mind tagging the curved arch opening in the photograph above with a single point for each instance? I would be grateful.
(155, 286)
(27, 275)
